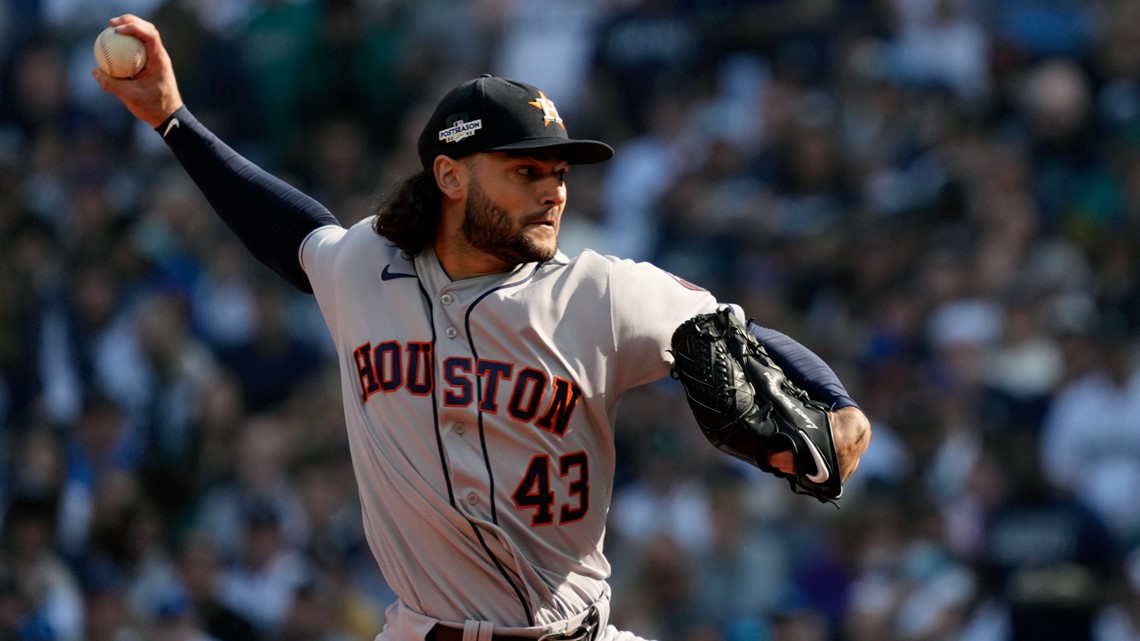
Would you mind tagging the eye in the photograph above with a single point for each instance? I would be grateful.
(561, 173)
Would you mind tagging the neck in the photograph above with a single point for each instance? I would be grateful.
(461, 261)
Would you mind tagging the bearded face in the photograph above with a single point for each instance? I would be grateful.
(490, 229)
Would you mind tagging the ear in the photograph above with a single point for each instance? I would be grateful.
(450, 177)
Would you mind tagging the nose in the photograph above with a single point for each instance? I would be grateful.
(553, 192)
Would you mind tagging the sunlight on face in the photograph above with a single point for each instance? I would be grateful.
(491, 230)
(520, 224)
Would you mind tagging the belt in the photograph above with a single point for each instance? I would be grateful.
(584, 632)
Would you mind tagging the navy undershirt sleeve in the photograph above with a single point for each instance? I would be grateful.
(804, 368)
(269, 216)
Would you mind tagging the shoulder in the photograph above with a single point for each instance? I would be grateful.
(359, 234)
(331, 245)
(590, 260)
(623, 270)
(586, 265)
(629, 287)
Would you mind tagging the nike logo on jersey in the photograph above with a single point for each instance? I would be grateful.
(173, 124)
(389, 275)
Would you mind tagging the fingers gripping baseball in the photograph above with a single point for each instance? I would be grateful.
(151, 95)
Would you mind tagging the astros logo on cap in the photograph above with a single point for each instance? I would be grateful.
(549, 112)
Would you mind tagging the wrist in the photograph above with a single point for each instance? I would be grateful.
(177, 117)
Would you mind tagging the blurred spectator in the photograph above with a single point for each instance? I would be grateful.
(222, 411)
(136, 543)
(642, 171)
(26, 270)
(313, 616)
(343, 175)
(331, 509)
(647, 52)
(939, 42)
(100, 452)
(218, 81)
(49, 597)
(90, 336)
(1023, 370)
(666, 499)
(565, 32)
(659, 600)
(744, 572)
(1090, 441)
(279, 46)
(356, 610)
(1068, 148)
(106, 613)
(263, 582)
(171, 617)
(276, 359)
(1035, 29)
(1120, 619)
(259, 477)
(1047, 559)
(200, 571)
(178, 367)
(38, 104)
(800, 625)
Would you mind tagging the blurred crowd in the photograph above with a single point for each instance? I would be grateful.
(940, 197)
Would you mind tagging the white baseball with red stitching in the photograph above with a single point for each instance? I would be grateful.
(119, 55)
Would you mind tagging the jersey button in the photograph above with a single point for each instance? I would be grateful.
(460, 428)
(472, 498)
(450, 332)
(447, 299)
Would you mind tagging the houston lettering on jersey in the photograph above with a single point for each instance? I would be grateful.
(534, 396)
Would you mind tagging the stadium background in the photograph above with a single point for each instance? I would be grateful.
(941, 197)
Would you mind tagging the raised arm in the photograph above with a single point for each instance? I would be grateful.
(269, 216)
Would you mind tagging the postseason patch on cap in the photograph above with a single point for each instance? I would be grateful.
(460, 130)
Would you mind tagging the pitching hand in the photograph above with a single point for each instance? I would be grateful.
(152, 95)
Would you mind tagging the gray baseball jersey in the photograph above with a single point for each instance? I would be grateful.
(479, 416)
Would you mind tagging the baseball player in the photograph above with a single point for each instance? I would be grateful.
(481, 368)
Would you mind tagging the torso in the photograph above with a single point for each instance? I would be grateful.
(480, 412)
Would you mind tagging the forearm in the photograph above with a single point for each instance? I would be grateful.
(849, 425)
(804, 368)
(269, 216)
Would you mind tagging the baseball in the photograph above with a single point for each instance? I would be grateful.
(118, 55)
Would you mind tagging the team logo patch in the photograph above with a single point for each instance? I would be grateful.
(549, 112)
(460, 130)
(686, 284)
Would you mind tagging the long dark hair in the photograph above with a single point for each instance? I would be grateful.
(409, 215)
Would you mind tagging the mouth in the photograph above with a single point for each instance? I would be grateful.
(542, 220)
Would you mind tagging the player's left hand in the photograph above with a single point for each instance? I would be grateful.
(783, 461)
(852, 432)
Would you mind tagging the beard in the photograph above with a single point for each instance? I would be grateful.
(490, 230)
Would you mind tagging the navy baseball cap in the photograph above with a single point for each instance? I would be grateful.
(496, 114)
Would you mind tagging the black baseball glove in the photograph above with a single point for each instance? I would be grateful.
(748, 408)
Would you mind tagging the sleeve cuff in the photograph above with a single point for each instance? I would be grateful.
(181, 118)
